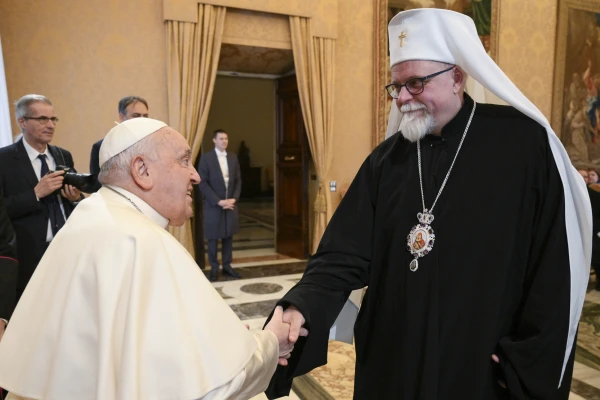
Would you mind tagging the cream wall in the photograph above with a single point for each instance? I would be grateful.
(353, 91)
(245, 109)
(252, 28)
(84, 56)
(527, 45)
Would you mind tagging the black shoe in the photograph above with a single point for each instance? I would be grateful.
(214, 273)
(227, 270)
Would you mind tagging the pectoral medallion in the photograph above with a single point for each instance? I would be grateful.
(420, 239)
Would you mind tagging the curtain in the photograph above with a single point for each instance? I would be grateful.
(193, 55)
(314, 59)
(6, 136)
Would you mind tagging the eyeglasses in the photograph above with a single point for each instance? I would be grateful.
(44, 120)
(414, 86)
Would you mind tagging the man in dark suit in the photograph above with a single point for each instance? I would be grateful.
(221, 184)
(9, 267)
(129, 107)
(37, 202)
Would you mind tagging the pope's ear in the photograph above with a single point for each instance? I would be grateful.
(140, 174)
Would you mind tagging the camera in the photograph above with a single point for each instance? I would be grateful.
(83, 182)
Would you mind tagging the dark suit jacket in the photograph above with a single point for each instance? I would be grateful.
(95, 164)
(595, 201)
(9, 267)
(219, 223)
(28, 216)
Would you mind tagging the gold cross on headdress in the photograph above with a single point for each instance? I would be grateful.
(402, 37)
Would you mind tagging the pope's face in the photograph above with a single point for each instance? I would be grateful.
(429, 108)
(173, 176)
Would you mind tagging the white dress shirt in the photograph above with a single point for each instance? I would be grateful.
(222, 157)
(37, 168)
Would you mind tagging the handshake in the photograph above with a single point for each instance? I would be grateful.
(287, 326)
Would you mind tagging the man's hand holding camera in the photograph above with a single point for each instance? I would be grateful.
(49, 183)
(71, 193)
(52, 182)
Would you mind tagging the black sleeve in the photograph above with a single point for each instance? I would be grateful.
(95, 165)
(204, 186)
(95, 159)
(533, 354)
(340, 265)
(22, 203)
(8, 264)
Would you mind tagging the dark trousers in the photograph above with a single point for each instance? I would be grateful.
(226, 252)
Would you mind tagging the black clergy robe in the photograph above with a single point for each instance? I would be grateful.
(496, 282)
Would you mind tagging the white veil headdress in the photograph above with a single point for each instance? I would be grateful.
(450, 37)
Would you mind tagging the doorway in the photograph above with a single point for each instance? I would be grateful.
(256, 103)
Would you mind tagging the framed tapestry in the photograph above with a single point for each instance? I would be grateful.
(576, 99)
(485, 13)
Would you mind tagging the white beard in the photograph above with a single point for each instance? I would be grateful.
(415, 124)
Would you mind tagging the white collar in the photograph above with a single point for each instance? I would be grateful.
(144, 207)
(33, 153)
(221, 153)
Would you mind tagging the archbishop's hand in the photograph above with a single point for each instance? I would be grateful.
(497, 361)
(296, 320)
(49, 184)
(281, 329)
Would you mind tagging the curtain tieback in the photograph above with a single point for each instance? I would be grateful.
(320, 202)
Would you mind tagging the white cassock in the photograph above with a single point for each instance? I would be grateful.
(118, 309)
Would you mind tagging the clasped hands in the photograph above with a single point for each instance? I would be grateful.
(227, 204)
(287, 326)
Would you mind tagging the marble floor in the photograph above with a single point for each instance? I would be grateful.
(255, 242)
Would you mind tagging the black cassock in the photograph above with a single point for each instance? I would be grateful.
(496, 282)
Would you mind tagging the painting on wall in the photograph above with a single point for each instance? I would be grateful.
(576, 104)
(485, 13)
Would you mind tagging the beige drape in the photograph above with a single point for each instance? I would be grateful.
(193, 55)
(314, 59)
